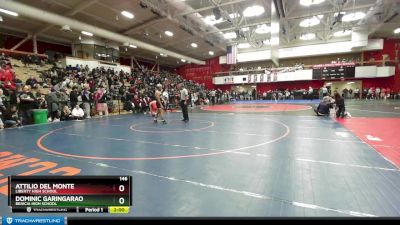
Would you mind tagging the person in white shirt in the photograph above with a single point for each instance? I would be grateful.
(77, 113)
(212, 95)
(310, 92)
(378, 93)
(324, 91)
(165, 97)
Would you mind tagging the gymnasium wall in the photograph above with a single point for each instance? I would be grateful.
(127, 62)
(390, 47)
(306, 60)
(11, 41)
(316, 84)
(202, 73)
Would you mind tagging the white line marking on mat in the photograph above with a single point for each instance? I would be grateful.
(334, 140)
(246, 193)
(374, 111)
(348, 165)
(342, 134)
(372, 138)
(241, 153)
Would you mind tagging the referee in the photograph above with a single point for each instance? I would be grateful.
(184, 103)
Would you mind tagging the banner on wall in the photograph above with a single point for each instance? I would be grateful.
(334, 71)
(228, 80)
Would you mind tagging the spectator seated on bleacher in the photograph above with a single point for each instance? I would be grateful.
(7, 76)
(112, 84)
(77, 113)
(32, 81)
(9, 117)
(65, 113)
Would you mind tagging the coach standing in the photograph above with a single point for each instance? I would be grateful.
(184, 103)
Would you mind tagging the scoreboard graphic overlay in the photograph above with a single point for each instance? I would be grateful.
(80, 194)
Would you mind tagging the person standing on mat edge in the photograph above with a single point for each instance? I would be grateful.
(160, 104)
(184, 102)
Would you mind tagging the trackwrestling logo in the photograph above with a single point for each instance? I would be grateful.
(33, 220)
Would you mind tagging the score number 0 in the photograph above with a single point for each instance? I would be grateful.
(121, 188)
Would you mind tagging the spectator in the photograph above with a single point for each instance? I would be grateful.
(377, 93)
(73, 97)
(65, 113)
(10, 117)
(100, 99)
(2, 108)
(26, 105)
(212, 95)
(77, 113)
(87, 100)
(310, 92)
(53, 106)
(32, 82)
(357, 93)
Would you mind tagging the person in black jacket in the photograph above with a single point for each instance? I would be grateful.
(73, 97)
(26, 105)
(324, 107)
(10, 117)
(340, 106)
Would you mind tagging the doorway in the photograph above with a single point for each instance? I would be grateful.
(345, 88)
(245, 92)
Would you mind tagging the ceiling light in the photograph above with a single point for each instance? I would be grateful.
(353, 17)
(163, 55)
(169, 33)
(8, 12)
(253, 11)
(350, 82)
(87, 33)
(342, 33)
(194, 45)
(320, 16)
(244, 29)
(127, 14)
(397, 31)
(337, 14)
(306, 37)
(183, 60)
(234, 15)
(133, 46)
(263, 29)
(244, 45)
(310, 22)
(212, 21)
(310, 2)
(230, 35)
(211, 53)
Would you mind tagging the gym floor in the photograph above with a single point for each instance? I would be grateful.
(254, 158)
